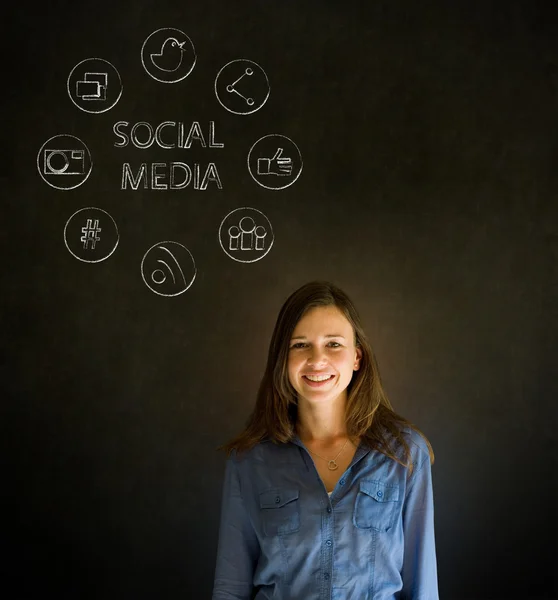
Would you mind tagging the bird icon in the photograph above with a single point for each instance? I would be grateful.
(170, 57)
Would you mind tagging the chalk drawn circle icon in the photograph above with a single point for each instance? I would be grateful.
(91, 234)
(64, 162)
(94, 85)
(246, 235)
(274, 162)
(242, 87)
(168, 268)
(168, 55)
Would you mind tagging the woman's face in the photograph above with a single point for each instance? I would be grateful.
(322, 344)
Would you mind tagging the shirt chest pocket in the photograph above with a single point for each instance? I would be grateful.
(376, 505)
(280, 511)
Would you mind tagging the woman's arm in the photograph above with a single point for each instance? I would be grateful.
(238, 547)
(420, 579)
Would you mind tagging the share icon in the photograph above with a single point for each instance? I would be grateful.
(248, 91)
(232, 90)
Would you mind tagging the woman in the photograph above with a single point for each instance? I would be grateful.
(327, 492)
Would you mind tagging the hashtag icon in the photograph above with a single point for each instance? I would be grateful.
(90, 234)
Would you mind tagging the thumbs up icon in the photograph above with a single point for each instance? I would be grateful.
(276, 165)
(274, 162)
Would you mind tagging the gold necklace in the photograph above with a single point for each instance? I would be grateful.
(332, 465)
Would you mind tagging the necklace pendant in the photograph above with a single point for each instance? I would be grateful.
(332, 465)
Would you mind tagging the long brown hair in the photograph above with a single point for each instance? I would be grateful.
(369, 414)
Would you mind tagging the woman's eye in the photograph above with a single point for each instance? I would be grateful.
(300, 344)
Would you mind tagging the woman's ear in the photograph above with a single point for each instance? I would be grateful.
(357, 359)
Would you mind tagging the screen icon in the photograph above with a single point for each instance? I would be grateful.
(94, 85)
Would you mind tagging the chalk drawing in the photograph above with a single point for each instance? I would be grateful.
(242, 87)
(274, 162)
(91, 234)
(64, 162)
(168, 268)
(168, 55)
(246, 235)
(279, 165)
(94, 85)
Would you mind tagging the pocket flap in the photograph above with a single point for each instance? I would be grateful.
(277, 498)
(381, 492)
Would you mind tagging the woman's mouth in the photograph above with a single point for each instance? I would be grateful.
(313, 383)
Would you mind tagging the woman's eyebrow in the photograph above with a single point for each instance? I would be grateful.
(329, 335)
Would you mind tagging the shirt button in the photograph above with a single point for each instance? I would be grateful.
(277, 500)
(329, 509)
(342, 482)
(326, 575)
(328, 543)
(379, 494)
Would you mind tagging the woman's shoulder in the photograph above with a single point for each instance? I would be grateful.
(262, 451)
(418, 446)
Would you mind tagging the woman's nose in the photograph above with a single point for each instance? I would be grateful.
(316, 356)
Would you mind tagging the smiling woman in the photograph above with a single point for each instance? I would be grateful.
(325, 362)
(358, 520)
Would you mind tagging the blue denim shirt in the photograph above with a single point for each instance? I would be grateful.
(282, 537)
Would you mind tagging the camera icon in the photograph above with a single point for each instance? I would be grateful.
(64, 162)
(64, 154)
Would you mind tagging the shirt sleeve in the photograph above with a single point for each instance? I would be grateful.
(238, 548)
(419, 574)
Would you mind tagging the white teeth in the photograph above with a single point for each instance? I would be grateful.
(317, 377)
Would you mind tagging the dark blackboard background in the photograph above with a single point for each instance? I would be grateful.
(428, 132)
